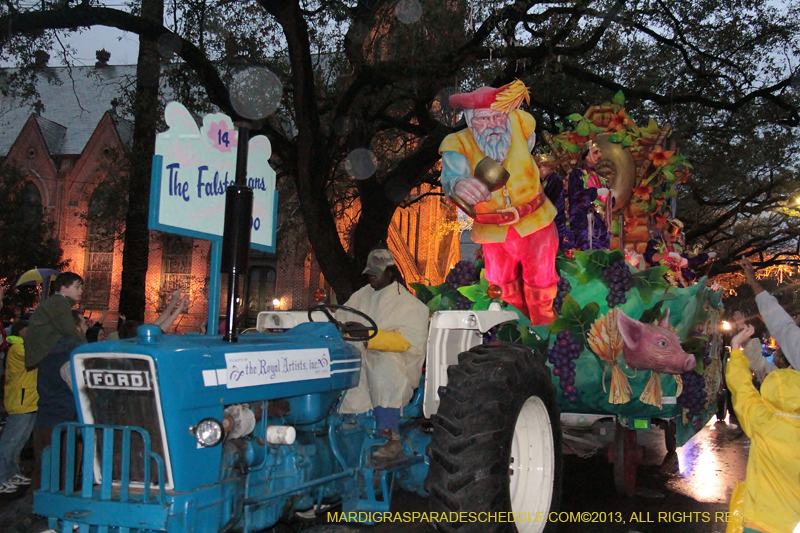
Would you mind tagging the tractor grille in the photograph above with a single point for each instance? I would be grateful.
(121, 391)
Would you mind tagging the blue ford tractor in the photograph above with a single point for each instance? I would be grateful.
(202, 434)
(195, 434)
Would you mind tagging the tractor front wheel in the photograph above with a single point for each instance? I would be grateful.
(496, 443)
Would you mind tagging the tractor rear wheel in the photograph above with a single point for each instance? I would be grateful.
(496, 444)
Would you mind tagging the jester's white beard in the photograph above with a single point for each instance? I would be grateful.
(495, 142)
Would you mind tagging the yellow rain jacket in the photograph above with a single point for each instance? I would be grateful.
(771, 420)
(20, 394)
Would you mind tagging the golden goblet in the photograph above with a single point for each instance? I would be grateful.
(490, 173)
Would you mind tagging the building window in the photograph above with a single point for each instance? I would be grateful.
(176, 267)
(99, 253)
(260, 292)
(33, 203)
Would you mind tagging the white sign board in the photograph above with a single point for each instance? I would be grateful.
(192, 168)
(247, 369)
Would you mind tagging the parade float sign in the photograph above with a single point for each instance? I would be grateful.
(193, 167)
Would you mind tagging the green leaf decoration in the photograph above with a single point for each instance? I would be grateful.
(652, 127)
(649, 281)
(627, 141)
(619, 99)
(593, 262)
(578, 320)
(567, 266)
(617, 137)
(533, 341)
(434, 304)
(594, 128)
(583, 129)
(575, 117)
(423, 292)
(652, 315)
(694, 345)
(701, 367)
(482, 304)
(474, 292)
(572, 148)
(509, 333)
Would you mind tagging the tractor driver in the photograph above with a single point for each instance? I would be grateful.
(392, 360)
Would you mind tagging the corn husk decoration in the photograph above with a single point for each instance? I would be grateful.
(511, 96)
(652, 393)
(679, 385)
(605, 341)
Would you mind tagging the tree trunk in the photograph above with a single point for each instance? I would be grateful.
(146, 110)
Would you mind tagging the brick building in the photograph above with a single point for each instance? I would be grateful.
(67, 151)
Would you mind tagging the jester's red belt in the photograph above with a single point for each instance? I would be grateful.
(511, 215)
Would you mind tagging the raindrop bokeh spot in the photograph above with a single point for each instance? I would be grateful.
(255, 92)
(361, 163)
(408, 11)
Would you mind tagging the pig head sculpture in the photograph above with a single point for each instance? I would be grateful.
(656, 348)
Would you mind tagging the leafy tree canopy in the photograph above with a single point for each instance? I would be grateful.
(375, 74)
(26, 240)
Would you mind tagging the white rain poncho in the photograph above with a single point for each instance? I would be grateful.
(388, 375)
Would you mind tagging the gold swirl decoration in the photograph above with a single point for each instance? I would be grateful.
(619, 169)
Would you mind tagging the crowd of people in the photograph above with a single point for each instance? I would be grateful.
(38, 381)
(769, 499)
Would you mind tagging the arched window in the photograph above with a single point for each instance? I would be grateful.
(99, 253)
(33, 201)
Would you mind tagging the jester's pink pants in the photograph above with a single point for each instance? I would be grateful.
(525, 268)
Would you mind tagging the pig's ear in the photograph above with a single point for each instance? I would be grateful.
(630, 329)
(664, 322)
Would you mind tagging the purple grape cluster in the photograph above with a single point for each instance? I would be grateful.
(491, 336)
(707, 353)
(618, 276)
(693, 396)
(563, 289)
(562, 356)
(463, 273)
(463, 303)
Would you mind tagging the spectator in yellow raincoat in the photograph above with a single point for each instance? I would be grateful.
(771, 419)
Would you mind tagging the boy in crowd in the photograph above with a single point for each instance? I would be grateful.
(56, 402)
(53, 319)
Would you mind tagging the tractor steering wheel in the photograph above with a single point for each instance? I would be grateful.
(345, 329)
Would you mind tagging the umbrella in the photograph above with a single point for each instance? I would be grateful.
(36, 276)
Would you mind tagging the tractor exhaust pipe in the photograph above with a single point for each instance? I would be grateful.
(236, 237)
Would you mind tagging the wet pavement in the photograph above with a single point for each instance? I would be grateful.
(686, 491)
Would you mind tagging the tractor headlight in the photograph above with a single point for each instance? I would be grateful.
(208, 432)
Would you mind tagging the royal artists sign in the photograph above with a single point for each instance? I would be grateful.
(193, 167)
(247, 369)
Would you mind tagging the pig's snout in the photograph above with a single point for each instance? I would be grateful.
(690, 364)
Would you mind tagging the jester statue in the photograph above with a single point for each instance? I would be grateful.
(513, 219)
(588, 196)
